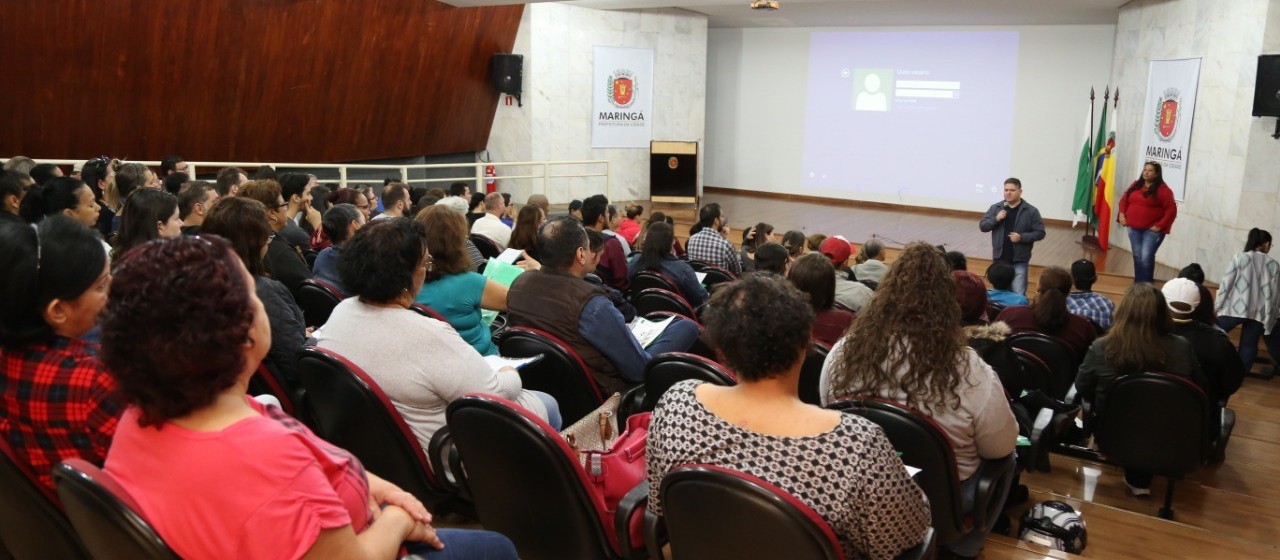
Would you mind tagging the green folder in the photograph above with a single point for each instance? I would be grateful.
(502, 273)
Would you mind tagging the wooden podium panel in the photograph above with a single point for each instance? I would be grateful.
(673, 172)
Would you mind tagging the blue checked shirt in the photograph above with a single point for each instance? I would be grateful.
(1093, 306)
(710, 247)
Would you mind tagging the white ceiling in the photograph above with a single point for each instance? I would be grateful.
(847, 13)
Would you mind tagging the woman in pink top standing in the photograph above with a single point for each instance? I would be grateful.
(1147, 208)
(216, 473)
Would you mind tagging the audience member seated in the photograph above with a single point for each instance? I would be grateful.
(354, 198)
(815, 276)
(1140, 340)
(129, 177)
(421, 364)
(849, 292)
(1219, 361)
(194, 201)
(284, 261)
(658, 256)
(395, 201)
(490, 224)
(477, 260)
(1001, 274)
(320, 198)
(796, 243)
(957, 261)
(814, 242)
(539, 200)
(12, 191)
(99, 173)
(630, 226)
(339, 224)
(752, 238)
(661, 218)
(595, 250)
(475, 208)
(509, 214)
(1048, 313)
(575, 209)
(20, 164)
(302, 219)
(281, 492)
(555, 299)
(42, 172)
(1248, 298)
(452, 288)
(172, 183)
(1085, 302)
(773, 258)
(243, 223)
(63, 195)
(265, 172)
(148, 214)
(56, 401)
(229, 181)
(171, 165)
(612, 268)
(611, 224)
(989, 340)
(841, 465)
(1204, 312)
(707, 241)
(908, 345)
(524, 236)
(870, 259)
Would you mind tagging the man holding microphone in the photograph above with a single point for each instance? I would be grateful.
(1015, 225)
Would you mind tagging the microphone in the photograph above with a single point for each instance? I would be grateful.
(1007, 207)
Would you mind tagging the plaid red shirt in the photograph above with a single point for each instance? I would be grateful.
(57, 402)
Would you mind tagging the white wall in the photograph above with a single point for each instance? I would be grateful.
(555, 122)
(1232, 168)
(756, 101)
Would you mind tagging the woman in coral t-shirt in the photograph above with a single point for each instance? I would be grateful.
(1147, 208)
(217, 474)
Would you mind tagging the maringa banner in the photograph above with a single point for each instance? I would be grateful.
(622, 98)
(1166, 121)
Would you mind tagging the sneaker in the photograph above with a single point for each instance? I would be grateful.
(1137, 492)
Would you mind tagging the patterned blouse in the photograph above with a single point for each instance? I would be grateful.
(851, 476)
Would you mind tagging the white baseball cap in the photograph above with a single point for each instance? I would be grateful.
(1181, 295)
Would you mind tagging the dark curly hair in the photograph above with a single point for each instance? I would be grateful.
(759, 326)
(378, 262)
(909, 337)
(171, 364)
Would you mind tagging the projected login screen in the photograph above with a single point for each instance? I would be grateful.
(913, 114)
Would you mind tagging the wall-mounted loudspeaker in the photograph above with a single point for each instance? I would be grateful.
(508, 74)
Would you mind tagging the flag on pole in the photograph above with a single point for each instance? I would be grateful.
(1105, 187)
(1082, 204)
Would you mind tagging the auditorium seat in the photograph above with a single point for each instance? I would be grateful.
(811, 372)
(32, 526)
(650, 300)
(1062, 361)
(646, 279)
(108, 521)
(560, 373)
(317, 299)
(666, 370)
(488, 249)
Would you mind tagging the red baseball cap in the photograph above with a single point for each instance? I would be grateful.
(836, 248)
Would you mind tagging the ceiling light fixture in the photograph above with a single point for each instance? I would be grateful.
(769, 5)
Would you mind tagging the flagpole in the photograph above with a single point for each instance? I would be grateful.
(1089, 240)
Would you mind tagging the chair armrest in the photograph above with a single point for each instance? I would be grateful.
(655, 534)
(1046, 433)
(995, 476)
(447, 464)
(632, 402)
(635, 501)
(921, 551)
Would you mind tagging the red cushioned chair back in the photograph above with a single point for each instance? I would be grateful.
(1035, 374)
(923, 445)
(317, 299)
(560, 373)
(108, 521)
(811, 372)
(267, 382)
(666, 370)
(646, 279)
(651, 300)
(425, 311)
(716, 275)
(1154, 422)
(1062, 361)
(717, 513)
(351, 412)
(32, 526)
(527, 483)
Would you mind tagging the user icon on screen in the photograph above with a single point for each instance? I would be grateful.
(871, 98)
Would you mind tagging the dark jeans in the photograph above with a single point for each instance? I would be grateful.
(678, 337)
(1250, 332)
(466, 544)
(1144, 243)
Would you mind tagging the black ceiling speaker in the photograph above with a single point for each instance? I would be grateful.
(508, 74)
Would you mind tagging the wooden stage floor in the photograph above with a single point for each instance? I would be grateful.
(897, 227)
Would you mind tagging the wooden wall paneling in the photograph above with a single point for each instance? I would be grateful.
(286, 80)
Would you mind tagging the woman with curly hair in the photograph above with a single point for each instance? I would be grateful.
(422, 364)
(282, 492)
(1048, 313)
(908, 345)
